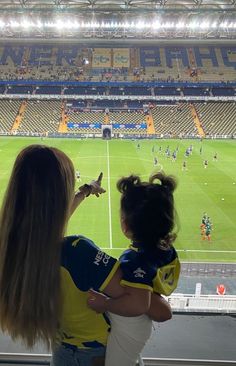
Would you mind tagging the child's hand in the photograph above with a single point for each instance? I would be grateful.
(97, 301)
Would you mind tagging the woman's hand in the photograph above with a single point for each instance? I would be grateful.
(93, 188)
(85, 190)
(97, 301)
(96, 186)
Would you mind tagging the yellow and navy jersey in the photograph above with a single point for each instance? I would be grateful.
(83, 266)
(157, 272)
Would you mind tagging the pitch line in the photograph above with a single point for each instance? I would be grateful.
(206, 251)
(113, 157)
(109, 194)
(187, 250)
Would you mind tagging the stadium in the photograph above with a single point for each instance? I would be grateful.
(135, 86)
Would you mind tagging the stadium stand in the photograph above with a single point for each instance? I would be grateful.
(52, 90)
(19, 89)
(174, 120)
(41, 117)
(84, 122)
(8, 113)
(167, 63)
(217, 118)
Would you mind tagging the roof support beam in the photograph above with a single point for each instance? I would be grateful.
(23, 3)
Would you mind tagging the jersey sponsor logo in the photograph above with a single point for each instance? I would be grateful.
(101, 257)
(139, 273)
(75, 242)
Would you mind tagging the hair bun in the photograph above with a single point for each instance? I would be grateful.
(167, 181)
(127, 183)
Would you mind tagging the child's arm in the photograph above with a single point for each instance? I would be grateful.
(159, 310)
(128, 304)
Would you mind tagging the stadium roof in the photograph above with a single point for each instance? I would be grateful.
(120, 5)
(118, 20)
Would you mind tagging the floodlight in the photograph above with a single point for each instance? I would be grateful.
(49, 24)
(39, 24)
(156, 25)
(140, 25)
(59, 24)
(14, 24)
(223, 25)
(204, 25)
(193, 25)
(168, 25)
(180, 25)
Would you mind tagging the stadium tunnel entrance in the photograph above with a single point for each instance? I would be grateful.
(106, 133)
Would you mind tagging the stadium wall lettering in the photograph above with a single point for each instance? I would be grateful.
(102, 58)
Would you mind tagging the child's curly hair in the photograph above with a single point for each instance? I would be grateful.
(148, 209)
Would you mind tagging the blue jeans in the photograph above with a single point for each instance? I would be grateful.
(63, 356)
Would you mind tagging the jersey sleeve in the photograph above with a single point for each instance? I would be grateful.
(167, 276)
(88, 266)
(136, 274)
(159, 275)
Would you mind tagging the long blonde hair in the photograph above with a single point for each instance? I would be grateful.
(33, 219)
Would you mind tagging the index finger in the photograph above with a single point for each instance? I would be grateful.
(100, 177)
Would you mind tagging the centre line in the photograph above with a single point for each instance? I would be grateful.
(109, 194)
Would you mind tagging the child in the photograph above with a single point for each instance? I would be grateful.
(150, 265)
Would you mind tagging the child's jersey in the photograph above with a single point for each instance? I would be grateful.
(157, 272)
(83, 266)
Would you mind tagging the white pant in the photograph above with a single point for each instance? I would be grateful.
(127, 338)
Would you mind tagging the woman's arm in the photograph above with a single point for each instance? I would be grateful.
(93, 188)
(130, 303)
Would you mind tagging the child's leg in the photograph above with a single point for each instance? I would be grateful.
(127, 338)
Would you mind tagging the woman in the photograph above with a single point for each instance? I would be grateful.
(43, 278)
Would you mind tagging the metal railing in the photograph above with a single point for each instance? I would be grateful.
(15, 359)
(184, 362)
(24, 359)
(203, 303)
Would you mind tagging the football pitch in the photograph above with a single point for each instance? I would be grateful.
(211, 190)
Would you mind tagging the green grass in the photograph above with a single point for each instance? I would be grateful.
(199, 189)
